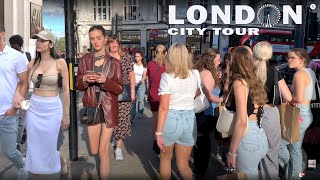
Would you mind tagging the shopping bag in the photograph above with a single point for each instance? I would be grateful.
(233, 176)
(289, 120)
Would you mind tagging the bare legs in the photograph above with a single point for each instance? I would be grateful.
(99, 138)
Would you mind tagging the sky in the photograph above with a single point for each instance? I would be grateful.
(53, 16)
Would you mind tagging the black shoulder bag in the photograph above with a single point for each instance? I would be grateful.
(88, 115)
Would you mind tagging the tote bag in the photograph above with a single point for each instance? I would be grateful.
(201, 102)
(226, 120)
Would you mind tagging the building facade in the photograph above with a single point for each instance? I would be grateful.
(23, 17)
(144, 23)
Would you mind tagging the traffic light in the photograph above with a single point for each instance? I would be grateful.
(119, 23)
(206, 33)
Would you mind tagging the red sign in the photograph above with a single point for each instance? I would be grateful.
(154, 33)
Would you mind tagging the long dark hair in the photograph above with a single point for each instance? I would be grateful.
(37, 59)
(205, 61)
(242, 67)
(143, 60)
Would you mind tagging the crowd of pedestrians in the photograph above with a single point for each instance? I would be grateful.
(115, 85)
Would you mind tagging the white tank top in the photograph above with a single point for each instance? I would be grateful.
(309, 92)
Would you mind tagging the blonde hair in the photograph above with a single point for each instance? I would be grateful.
(161, 51)
(262, 52)
(110, 40)
(179, 61)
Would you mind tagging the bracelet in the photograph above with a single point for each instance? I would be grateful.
(229, 153)
(132, 91)
(158, 133)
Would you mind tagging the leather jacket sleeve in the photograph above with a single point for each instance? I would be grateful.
(115, 83)
(80, 85)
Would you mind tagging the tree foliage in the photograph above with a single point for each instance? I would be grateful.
(60, 44)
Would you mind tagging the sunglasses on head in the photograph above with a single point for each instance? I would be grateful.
(39, 78)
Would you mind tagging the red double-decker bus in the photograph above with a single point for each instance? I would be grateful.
(281, 41)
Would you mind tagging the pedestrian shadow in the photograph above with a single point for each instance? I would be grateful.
(140, 144)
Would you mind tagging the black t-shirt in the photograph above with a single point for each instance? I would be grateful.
(270, 83)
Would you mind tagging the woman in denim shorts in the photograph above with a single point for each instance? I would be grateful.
(176, 120)
(246, 99)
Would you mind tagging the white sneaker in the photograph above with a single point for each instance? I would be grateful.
(118, 154)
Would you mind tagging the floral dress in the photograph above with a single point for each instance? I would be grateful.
(123, 129)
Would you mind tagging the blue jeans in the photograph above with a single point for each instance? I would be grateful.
(140, 92)
(293, 165)
(180, 128)
(252, 148)
(8, 140)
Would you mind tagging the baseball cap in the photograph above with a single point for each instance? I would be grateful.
(45, 35)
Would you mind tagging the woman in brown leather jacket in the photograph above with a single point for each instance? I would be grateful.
(95, 83)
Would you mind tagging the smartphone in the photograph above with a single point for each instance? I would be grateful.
(92, 73)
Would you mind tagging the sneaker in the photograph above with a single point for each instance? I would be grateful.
(118, 154)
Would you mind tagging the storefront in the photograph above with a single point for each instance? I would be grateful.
(194, 41)
(130, 41)
(161, 38)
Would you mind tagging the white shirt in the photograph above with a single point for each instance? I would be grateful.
(12, 63)
(138, 72)
(182, 91)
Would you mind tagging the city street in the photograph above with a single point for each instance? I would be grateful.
(140, 162)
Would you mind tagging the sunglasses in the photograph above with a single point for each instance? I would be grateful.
(39, 78)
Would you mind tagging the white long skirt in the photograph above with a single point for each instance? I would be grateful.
(43, 121)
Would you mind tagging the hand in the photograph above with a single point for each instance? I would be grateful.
(10, 112)
(65, 122)
(101, 78)
(140, 82)
(160, 142)
(90, 78)
(17, 100)
(219, 74)
(231, 161)
(133, 96)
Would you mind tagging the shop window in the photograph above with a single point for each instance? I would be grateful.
(132, 10)
(102, 10)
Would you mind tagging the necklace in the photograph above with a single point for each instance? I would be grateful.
(99, 57)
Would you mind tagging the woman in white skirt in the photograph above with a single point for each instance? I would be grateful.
(46, 113)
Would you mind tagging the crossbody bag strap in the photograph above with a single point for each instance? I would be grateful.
(106, 73)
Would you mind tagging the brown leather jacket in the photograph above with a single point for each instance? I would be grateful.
(112, 87)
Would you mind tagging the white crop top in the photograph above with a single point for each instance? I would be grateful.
(182, 91)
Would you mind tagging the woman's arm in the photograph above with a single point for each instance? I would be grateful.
(132, 85)
(66, 93)
(299, 87)
(144, 76)
(162, 116)
(241, 120)
(285, 92)
(81, 85)
(208, 81)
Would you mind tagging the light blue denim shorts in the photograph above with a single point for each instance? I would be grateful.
(180, 127)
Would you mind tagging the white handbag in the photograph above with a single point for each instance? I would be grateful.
(226, 120)
(201, 102)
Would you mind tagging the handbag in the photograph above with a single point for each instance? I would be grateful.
(201, 102)
(125, 96)
(289, 115)
(89, 115)
(226, 120)
(232, 175)
(315, 108)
